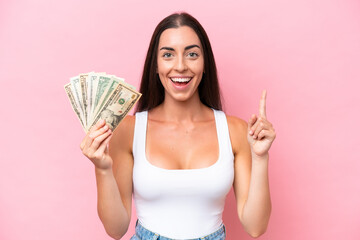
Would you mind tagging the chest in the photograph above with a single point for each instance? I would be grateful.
(176, 146)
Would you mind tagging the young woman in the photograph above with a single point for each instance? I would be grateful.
(180, 154)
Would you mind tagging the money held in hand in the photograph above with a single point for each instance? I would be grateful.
(94, 96)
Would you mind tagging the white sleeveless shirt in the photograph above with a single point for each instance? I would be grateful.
(181, 203)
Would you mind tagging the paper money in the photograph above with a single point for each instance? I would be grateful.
(117, 106)
(94, 96)
(83, 87)
(75, 88)
(92, 88)
(73, 102)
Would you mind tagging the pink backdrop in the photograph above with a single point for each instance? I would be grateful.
(306, 53)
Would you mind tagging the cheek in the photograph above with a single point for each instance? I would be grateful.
(162, 78)
(163, 67)
(199, 67)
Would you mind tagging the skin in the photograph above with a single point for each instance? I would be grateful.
(191, 142)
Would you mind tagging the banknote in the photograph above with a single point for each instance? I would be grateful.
(76, 90)
(83, 78)
(94, 96)
(102, 84)
(73, 102)
(107, 92)
(118, 105)
(92, 88)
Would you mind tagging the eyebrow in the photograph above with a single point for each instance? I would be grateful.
(186, 48)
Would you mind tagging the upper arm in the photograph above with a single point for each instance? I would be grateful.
(120, 150)
(242, 162)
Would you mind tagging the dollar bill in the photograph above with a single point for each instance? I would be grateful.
(76, 89)
(102, 84)
(84, 97)
(107, 92)
(118, 105)
(74, 103)
(92, 82)
(94, 96)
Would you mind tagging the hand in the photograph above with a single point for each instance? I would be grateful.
(261, 133)
(94, 145)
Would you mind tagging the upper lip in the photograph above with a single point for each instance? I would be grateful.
(181, 77)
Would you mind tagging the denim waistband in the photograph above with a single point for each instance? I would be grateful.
(145, 234)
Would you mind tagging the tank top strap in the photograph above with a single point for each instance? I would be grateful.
(139, 134)
(223, 133)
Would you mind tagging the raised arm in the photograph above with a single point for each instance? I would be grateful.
(113, 161)
(251, 143)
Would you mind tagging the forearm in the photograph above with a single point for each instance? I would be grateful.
(110, 207)
(257, 208)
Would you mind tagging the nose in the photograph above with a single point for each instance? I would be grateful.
(180, 64)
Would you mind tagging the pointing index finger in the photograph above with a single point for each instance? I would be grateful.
(262, 108)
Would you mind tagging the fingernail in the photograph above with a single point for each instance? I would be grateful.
(250, 132)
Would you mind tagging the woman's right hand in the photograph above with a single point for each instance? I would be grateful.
(94, 145)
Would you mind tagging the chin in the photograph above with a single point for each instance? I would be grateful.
(182, 97)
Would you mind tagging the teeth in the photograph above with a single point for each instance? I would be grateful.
(180, 79)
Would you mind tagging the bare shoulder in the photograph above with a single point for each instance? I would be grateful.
(123, 136)
(235, 122)
(238, 132)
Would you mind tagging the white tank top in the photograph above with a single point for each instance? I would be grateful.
(182, 203)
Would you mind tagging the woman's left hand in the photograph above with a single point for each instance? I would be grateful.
(261, 133)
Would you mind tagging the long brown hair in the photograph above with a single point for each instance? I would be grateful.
(151, 88)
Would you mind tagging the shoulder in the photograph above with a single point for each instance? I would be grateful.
(238, 132)
(236, 125)
(126, 126)
(123, 135)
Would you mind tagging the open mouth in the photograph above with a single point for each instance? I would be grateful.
(181, 81)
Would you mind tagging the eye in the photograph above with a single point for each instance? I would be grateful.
(193, 54)
(167, 55)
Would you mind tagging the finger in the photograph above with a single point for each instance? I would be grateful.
(251, 123)
(263, 134)
(99, 139)
(262, 107)
(87, 141)
(82, 144)
(98, 125)
(93, 134)
(256, 124)
(104, 144)
(260, 126)
(84, 141)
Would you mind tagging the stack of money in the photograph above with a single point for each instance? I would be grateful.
(94, 96)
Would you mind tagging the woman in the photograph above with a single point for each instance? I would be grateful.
(181, 154)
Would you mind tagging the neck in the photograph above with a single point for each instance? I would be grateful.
(182, 111)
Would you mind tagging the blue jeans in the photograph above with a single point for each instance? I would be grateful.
(142, 233)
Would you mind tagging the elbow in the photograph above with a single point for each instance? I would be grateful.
(118, 233)
(116, 236)
(255, 231)
(257, 234)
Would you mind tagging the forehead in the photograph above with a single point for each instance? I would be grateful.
(179, 37)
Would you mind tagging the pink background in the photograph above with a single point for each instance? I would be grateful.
(306, 53)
